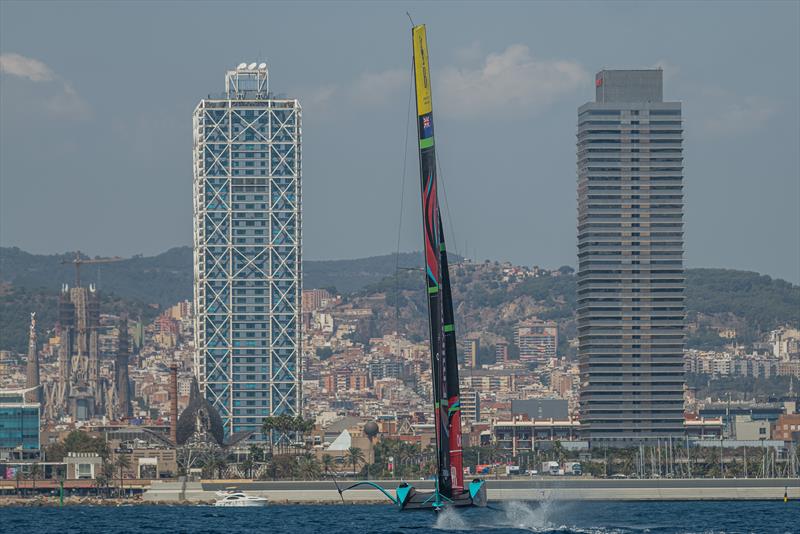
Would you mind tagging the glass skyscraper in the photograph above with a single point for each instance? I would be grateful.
(19, 425)
(247, 249)
(630, 255)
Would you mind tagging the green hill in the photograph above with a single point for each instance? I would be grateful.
(167, 277)
(751, 302)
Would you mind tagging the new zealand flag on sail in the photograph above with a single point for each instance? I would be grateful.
(426, 126)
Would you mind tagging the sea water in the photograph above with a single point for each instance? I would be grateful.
(501, 518)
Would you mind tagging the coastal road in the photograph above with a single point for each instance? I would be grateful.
(551, 488)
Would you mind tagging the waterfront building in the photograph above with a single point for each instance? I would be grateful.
(247, 250)
(19, 425)
(787, 428)
(522, 435)
(630, 254)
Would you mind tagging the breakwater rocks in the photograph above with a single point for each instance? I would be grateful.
(72, 500)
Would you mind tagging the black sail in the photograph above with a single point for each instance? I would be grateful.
(444, 360)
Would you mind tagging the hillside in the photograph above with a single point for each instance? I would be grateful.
(167, 277)
(750, 302)
(17, 302)
(163, 279)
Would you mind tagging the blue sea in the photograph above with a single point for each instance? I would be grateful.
(509, 517)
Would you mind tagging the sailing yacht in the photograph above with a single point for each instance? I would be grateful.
(450, 489)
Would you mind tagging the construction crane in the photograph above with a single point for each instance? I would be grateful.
(78, 261)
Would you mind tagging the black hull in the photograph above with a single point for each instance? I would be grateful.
(411, 499)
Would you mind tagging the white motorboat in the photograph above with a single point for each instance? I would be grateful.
(239, 498)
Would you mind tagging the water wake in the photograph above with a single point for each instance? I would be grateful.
(512, 515)
(451, 519)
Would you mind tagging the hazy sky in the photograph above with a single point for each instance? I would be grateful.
(96, 102)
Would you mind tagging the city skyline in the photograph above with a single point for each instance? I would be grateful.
(563, 347)
(739, 121)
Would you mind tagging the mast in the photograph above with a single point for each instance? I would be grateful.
(451, 371)
(444, 361)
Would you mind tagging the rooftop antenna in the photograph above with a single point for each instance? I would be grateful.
(409, 18)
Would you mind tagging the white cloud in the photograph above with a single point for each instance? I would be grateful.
(378, 87)
(509, 83)
(513, 82)
(58, 97)
(25, 67)
(370, 89)
(319, 97)
(67, 104)
(471, 53)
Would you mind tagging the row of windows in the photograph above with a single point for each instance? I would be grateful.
(661, 112)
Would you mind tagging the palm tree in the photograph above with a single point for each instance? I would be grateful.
(247, 465)
(121, 463)
(216, 464)
(36, 470)
(100, 481)
(284, 466)
(308, 467)
(327, 462)
(107, 474)
(559, 452)
(300, 426)
(354, 456)
(267, 426)
(285, 424)
(256, 453)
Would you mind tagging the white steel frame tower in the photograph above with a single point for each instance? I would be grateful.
(247, 250)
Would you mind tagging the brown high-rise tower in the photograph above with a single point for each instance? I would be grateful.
(121, 380)
(32, 371)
